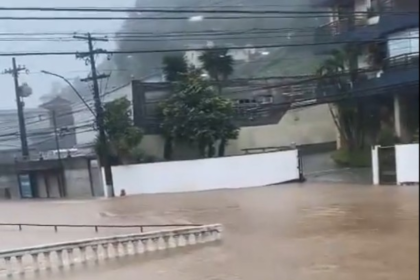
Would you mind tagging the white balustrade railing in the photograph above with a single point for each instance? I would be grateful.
(66, 255)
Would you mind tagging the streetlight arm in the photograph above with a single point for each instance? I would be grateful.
(72, 87)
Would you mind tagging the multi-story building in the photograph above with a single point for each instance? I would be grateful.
(264, 120)
(386, 35)
(36, 120)
(39, 129)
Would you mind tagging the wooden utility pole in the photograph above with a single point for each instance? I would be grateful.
(15, 71)
(89, 57)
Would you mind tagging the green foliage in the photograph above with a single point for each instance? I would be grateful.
(218, 64)
(195, 114)
(355, 158)
(175, 67)
(123, 137)
(332, 69)
(387, 137)
(349, 114)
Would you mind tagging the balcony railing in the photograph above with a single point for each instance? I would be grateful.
(340, 26)
(409, 60)
(348, 23)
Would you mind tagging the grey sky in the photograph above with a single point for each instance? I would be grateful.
(67, 66)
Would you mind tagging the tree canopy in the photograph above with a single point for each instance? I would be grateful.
(218, 64)
(123, 137)
(337, 75)
(194, 113)
(174, 67)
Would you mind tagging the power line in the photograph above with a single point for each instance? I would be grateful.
(64, 53)
(46, 18)
(307, 80)
(185, 11)
(180, 32)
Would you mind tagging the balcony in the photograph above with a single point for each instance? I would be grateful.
(383, 18)
(335, 34)
(396, 74)
(330, 3)
(397, 71)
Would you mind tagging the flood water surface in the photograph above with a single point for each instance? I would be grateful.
(295, 232)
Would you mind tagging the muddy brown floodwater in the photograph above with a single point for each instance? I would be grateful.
(294, 232)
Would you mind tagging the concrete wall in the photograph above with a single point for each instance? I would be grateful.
(406, 161)
(207, 174)
(10, 182)
(407, 157)
(312, 125)
(153, 145)
(307, 126)
(83, 180)
(50, 189)
(78, 181)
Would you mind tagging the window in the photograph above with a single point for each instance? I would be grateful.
(405, 42)
(266, 99)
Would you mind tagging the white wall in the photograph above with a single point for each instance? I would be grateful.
(407, 157)
(207, 174)
(407, 164)
(307, 126)
(375, 166)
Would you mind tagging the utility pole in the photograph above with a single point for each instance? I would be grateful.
(62, 179)
(15, 71)
(89, 58)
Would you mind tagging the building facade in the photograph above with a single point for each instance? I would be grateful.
(385, 34)
(261, 112)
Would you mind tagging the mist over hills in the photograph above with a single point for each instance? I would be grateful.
(183, 34)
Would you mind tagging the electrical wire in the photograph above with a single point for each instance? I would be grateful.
(188, 11)
(310, 83)
(149, 51)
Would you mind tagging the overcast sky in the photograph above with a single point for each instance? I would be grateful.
(67, 66)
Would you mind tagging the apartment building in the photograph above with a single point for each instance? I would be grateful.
(386, 34)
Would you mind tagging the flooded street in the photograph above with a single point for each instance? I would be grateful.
(300, 232)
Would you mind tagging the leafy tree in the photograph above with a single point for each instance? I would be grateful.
(218, 64)
(348, 114)
(123, 137)
(195, 114)
(174, 67)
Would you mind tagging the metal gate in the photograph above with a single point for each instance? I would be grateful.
(387, 165)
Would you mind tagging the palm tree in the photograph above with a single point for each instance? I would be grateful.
(218, 64)
(174, 67)
(348, 117)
